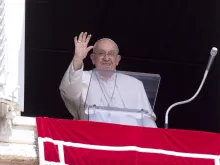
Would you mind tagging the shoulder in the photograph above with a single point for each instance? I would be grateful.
(87, 73)
(86, 76)
(130, 79)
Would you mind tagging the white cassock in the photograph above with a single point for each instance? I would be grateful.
(118, 91)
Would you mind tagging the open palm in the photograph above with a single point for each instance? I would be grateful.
(81, 45)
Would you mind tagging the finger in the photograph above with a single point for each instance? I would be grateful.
(89, 48)
(84, 37)
(75, 39)
(88, 38)
(80, 36)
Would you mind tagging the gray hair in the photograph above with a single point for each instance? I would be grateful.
(96, 43)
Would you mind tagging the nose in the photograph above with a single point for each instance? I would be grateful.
(106, 57)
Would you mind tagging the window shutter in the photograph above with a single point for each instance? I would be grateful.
(3, 57)
(12, 21)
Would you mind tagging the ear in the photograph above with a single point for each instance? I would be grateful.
(118, 59)
(92, 58)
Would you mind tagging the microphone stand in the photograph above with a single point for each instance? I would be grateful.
(213, 53)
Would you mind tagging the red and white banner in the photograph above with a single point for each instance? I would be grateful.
(92, 143)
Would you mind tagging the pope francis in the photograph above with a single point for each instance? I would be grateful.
(107, 89)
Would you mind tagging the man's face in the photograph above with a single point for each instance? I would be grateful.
(105, 55)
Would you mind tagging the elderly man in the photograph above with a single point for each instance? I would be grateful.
(117, 90)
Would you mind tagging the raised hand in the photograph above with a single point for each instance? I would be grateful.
(81, 46)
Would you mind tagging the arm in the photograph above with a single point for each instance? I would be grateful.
(71, 89)
(71, 84)
(145, 101)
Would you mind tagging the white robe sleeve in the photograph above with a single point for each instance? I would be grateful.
(145, 104)
(71, 90)
(145, 101)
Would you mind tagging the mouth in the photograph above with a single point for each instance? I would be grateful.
(106, 64)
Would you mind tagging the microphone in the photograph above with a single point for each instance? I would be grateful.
(213, 53)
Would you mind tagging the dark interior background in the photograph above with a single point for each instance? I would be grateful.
(171, 38)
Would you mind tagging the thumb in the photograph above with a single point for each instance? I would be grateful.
(89, 48)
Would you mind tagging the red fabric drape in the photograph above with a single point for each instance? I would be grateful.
(112, 135)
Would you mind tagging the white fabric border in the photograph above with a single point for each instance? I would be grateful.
(216, 158)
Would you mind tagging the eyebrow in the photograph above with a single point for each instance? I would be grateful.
(101, 50)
